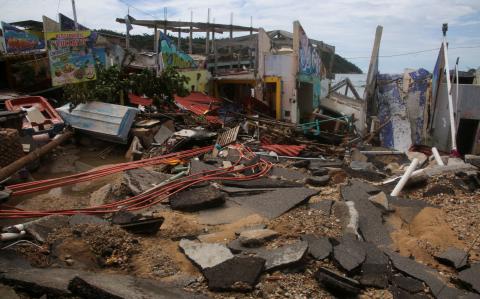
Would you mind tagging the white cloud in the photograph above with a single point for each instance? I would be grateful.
(409, 25)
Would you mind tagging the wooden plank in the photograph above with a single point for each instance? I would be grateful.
(371, 76)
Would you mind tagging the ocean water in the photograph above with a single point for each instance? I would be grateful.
(358, 81)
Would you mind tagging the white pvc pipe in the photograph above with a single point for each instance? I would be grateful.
(453, 131)
(398, 188)
(436, 154)
(11, 236)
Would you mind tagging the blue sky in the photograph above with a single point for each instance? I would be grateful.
(409, 25)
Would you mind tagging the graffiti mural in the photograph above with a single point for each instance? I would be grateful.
(308, 56)
(172, 56)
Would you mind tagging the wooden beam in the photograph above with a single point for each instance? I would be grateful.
(372, 76)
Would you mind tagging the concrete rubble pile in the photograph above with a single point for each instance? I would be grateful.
(250, 209)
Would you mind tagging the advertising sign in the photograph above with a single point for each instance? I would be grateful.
(172, 56)
(18, 40)
(71, 57)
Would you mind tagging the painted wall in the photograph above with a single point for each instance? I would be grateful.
(284, 66)
(468, 108)
(199, 79)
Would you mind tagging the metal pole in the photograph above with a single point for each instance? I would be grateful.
(454, 151)
(190, 49)
(230, 50)
(127, 36)
(74, 15)
(207, 40)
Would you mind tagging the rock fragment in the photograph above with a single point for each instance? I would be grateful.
(283, 256)
(205, 255)
(318, 247)
(337, 284)
(454, 257)
(256, 237)
(471, 277)
(196, 199)
(318, 181)
(238, 274)
(349, 254)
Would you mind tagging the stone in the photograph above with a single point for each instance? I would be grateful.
(78, 219)
(454, 257)
(438, 288)
(238, 274)
(318, 181)
(283, 256)
(205, 255)
(318, 247)
(262, 182)
(236, 247)
(374, 270)
(256, 237)
(41, 228)
(195, 199)
(438, 190)
(337, 284)
(320, 172)
(301, 163)
(349, 254)
(471, 277)
(325, 206)
(380, 200)
(275, 203)
(408, 284)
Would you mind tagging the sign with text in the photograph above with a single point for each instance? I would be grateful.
(18, 40)
(71, 57)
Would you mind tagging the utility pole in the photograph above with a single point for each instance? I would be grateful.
(127, 36)
(165, 19)
(74, 15)
(207, 40)
(190, 50)
(230, 49)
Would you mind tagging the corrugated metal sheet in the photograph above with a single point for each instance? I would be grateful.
(107, 121)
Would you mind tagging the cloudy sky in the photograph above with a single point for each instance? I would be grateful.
(409, 25)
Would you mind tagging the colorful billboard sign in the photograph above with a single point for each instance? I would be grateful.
(67, 24)
(171, 56)
(71, 57)
(18, 40)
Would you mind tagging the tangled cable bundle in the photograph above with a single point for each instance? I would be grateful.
(144, 200)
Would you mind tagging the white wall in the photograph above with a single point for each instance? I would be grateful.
(284, 66)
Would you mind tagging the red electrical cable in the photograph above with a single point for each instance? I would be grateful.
(155, 195)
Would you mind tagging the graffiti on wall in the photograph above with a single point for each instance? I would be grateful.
(308, 56)
(172, 56)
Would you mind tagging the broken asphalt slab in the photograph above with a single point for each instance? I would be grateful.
(337, 284)
(408, 284)
(90, 285)
(139, 180)
(79, 219)
(195, 199)
(374, 270)
(318, 181)
(236, 274)
(262, 182)
(41, 228)
(318, 247)
(349, 253)
(256, 237)
(284, 256)
(370, 217)
(471, 277)
(275, 203)
(205, 255)
(438, 189)
(287, 173)
(453, 257)
(325, 206)
(428, 275)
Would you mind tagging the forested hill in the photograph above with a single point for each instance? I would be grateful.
(145, 42)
